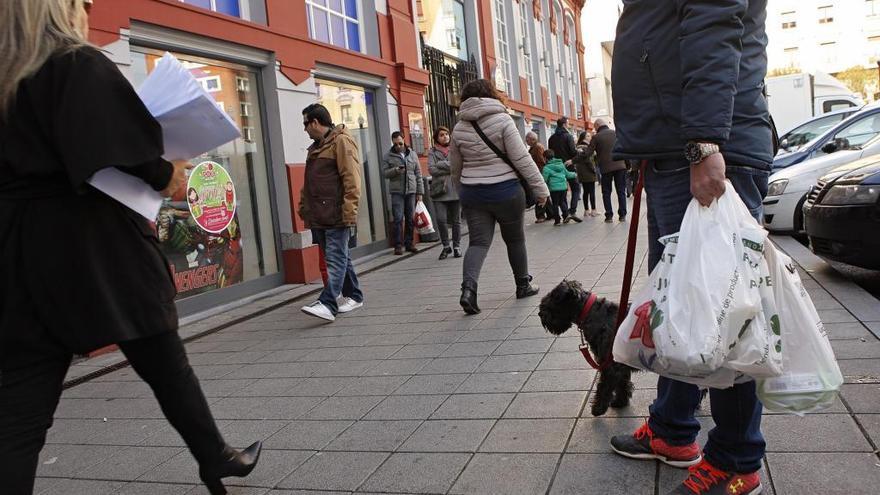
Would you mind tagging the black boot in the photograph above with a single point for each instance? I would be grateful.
(468, 299)
(445, 252)
(524, 288)
(230, 463)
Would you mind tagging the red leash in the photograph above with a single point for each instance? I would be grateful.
(627, 276)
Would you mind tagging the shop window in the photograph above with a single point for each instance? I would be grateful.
(205, 259)
(336, 22)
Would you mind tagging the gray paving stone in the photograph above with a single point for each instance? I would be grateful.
(83, 487)
(307, 435)
(836, 316)
(528, 435)
(69, 460)
(108, 390)
(546, 405)
(523, 346)
(462, 435)
(519, 362)
(274, 466)
(473, 406)
(856, 349)
(465, 349)
(257, 370)
(138, 488)
(860, 370)
(242, 433)
(406, 407)
(146, 408)
(871, 424)
(269, 387)
(431, 384)
(493, 382)
(335, 471)
(417, 473)
(638, 406)
(438, 337)
(397, 367)
(838, 331)
(317, 387)
(591, 435)
(828, 433)
(833, 474)
(98, 432)
(223, 387)
(560, 380)
(510, 474)
(420, 351)
(564, 361)
(129, 464)
(345, 368)
(344, 407)
(494, 334)
(862, 398)
(452, 365)
(368, 353)
(373, 385)
(379, 436)
(599, 474)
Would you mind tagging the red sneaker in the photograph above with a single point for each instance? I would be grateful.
(706, 479)
(643, 444)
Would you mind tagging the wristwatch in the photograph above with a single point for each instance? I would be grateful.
(695, 151)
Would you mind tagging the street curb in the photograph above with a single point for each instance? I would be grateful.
(116, 361)
(857, 301)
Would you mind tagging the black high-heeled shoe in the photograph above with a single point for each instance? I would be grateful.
(468, 299)
(237, 464)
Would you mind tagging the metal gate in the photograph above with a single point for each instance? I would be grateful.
(448, 76)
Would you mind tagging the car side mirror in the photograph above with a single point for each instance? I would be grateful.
(783, 144)
(829, 147)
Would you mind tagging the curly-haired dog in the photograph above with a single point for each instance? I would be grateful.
(565, 305)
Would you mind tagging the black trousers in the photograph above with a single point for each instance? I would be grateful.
(29, 395)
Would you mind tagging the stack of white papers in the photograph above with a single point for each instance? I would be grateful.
(192, 124)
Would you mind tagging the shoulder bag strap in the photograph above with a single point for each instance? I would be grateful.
(494, 148)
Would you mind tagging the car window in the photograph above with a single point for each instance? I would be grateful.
(832, 105)
(857, 133)
(799, 136)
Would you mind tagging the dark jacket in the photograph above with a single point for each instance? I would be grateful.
(562, 144)
(442, 188)
(691, 70)
(585, 164)
(409, 179)
(332, 187)
(603, 145)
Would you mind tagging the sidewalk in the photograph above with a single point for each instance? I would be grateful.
(408, 395)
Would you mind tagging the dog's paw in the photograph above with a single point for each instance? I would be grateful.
(620, 402)
(598, 409)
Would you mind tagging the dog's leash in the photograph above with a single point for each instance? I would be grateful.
(627, 278)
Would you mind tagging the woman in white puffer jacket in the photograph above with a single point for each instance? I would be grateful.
(489, 186)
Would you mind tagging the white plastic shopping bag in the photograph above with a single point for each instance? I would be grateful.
(422, 219)
(811, 377)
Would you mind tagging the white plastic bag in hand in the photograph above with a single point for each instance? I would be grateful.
(422, 219)
(811, 377)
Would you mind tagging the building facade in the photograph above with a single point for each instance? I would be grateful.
(264, 61)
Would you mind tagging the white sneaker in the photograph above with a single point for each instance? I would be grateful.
(347, 304)
(318, 309)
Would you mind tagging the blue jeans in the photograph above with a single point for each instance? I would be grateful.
(618, 180)
(575, 196)
(341, 278)
(736, 443)
(402, 208)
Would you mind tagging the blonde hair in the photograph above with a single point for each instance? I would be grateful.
(31, 31)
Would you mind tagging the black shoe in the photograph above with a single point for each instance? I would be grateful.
(576, 218)
(622, 218)
(412, 249)
(524, 288)
(456, 252)
(468, 299)
(398, 250)
(609, 219)
(557, 223)
(237, 464)
(445, 252)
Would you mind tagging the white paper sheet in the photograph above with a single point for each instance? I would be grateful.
(128, 190)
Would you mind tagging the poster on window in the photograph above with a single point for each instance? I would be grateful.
(210, 195)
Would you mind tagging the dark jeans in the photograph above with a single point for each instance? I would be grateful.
(341, 278)
(589, 196)
(481, 219)
(575, 187)
(736, 443)
(402, 208)
(29, 395)
(618, 180)
(560, 205)
(448, 213)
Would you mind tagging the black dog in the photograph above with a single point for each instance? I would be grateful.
(560, 309)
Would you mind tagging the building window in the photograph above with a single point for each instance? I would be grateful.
(242, 84)
(247, 133)
(574, 68)
(211, 83)
(525, 16)
(827, 52)
(245, 109)
(345, 110)
(826, 16)
(792, 57)
(442, 26)
(872, 7)
(503, 47)
(228, 7)
(336, 22)
(788, 20)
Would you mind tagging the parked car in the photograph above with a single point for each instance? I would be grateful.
(796, 138)
(842, 214)
(855, 130)
(789, 186)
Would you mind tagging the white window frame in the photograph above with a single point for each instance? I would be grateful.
(826, 14)
(789, 19)
(791, 53)
(574, 66)
(502, 44)
(247, 133)
(242, 84)
(872, 7)
(245, 109)
(204, 82)
(313, 4)
(525, 49)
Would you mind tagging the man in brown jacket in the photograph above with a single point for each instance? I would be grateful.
(329, 206)
(613, 171)
(537, 153)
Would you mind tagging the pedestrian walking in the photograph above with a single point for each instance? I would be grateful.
(66, 112)
(537, 153)
(404, 176)
(613, 171)
(488, 157)
(557, 177)
(700, 118)
(585, 167)
(444, 195)
(329, 206)
(563, 146)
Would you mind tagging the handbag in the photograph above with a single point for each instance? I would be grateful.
(438, 186)
(530, 197)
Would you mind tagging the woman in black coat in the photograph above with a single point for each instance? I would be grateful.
(78, 270)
